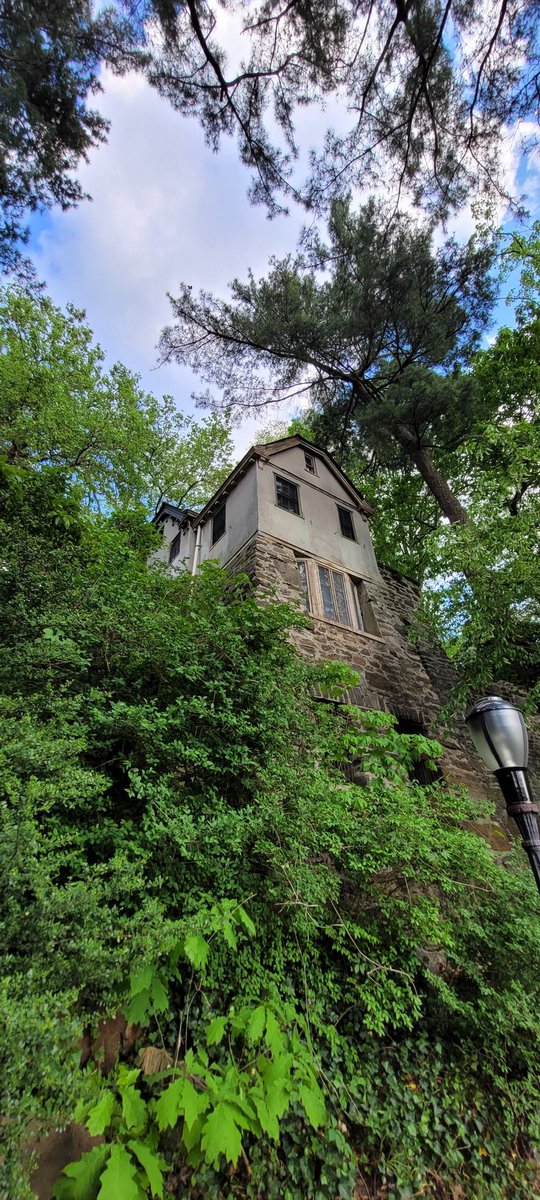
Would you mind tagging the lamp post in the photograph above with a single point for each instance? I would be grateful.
(498, 731)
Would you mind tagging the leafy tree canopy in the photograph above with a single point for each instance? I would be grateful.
(485, 601)
(429, 86)
(374, 324)
(60, 407)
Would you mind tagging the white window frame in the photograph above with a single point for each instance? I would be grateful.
(312, 591)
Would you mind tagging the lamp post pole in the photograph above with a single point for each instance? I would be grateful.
(498, 731)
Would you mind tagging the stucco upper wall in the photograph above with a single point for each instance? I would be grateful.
(240, 520)
(317, 530)
(294, 463)
(187, 540)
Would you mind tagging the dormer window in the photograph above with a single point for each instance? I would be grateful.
(346, 523)
(309, 460)
(287, 495)
(174, 548)
(218, 524)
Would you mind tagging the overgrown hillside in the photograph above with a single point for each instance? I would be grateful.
(331, 984)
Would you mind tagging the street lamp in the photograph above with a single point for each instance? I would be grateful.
(498, 731)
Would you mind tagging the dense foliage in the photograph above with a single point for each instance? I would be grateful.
(60, 407)
(329, 980)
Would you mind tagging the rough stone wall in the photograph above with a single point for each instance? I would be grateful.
(410, 680)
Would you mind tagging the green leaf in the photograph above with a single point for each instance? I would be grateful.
(127, 1076)
(313, 1102)
(256, 1023)
(229, 935)
(193, 1104)
(221, 1135)
(152, 1165)
(215, 1031)
(139, 1008)
(268, 1120)
(273, 1036)
(99, 1117)
(170, 1104)
(159, 996)
(79, 1180)
(118, 1180)
(243, 916)
(135, 1109)
(196, 950)
(141, 980)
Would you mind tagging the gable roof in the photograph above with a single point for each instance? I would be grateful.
(264, 452)
(180, 515)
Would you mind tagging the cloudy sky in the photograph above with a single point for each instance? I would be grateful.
(165, 209)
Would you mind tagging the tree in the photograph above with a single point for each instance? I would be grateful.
(430, 87)
(60, 407)
(483, 597)
(375, 325)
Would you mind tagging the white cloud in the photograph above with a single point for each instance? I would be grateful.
(164, 209)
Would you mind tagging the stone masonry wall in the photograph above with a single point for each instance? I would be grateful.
(397, 676)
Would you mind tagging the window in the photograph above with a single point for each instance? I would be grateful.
(309, 460)
(174, 548)
(287, 495)
(218, 524)
(334, 596)
(346, 523)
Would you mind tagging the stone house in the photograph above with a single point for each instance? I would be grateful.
(289, 517)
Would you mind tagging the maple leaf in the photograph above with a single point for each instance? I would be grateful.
(152, 1165)
(118, 1179)
(100, 1115)
(79, 1180)
(196, 950)
(134, 1109)
(221, 1135)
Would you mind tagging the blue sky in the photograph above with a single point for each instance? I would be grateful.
(165, 209)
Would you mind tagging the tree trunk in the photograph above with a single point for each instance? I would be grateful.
(437, 484)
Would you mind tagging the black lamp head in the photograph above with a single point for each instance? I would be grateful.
(498, 731)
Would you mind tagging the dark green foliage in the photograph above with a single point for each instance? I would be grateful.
(375, 324)
(429, 87)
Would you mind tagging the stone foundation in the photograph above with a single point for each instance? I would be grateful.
(398, 676)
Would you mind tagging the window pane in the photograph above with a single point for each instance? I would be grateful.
(287, 495)
(218, 524)
(341, 602)
(327, 593)
(174, 548)
(310, 463)
(302, 571)
(346, 523)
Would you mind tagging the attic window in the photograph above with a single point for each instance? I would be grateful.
(309, 460)
(174, 548)
(287, 495)
(218, 524)
(346, 523)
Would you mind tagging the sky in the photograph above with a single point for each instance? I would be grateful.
(166, 209)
